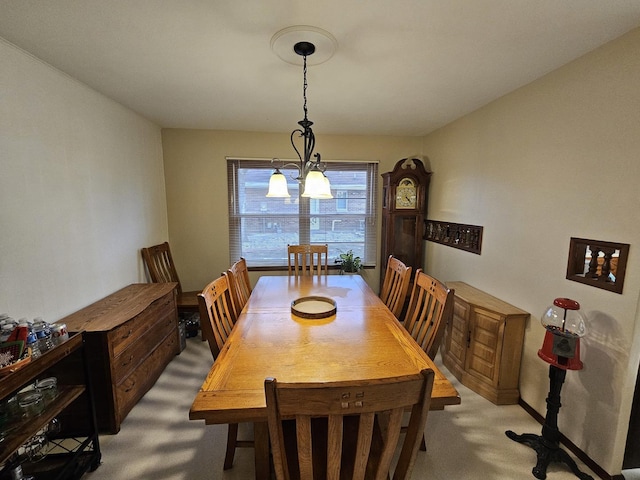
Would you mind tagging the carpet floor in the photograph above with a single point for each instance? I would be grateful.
(157, 440)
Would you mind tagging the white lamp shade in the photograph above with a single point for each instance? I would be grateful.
(326, 189)
(314, 184)
(278, 185)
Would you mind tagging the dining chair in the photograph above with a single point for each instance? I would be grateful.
(355, 426)
(217, 313)
(395, 285)
(308, 260)
(240, 285)
(218, 317)
(430, 308)
(161, 268)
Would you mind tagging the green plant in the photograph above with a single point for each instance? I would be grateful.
(349, 263)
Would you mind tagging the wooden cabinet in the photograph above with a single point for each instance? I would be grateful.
(73, 450)
(483, 344)
(131, 335)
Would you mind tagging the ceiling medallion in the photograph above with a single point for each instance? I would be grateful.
(282, 44)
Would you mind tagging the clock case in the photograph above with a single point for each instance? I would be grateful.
(403, 228)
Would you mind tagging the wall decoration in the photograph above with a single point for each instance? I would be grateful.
(597, 263)
(456, 235)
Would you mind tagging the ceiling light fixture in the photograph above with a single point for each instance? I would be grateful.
(311, 178)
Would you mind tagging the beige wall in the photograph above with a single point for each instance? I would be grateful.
(196, 173)
(81, 190)
(556, 159)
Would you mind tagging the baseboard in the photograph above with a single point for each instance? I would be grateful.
(584, 458)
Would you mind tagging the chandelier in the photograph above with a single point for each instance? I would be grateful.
(311, 178)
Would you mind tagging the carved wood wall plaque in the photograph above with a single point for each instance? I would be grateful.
(457, 235)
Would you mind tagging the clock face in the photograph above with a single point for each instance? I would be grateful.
(406, 194)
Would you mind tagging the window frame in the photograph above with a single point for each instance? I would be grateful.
(308, 210)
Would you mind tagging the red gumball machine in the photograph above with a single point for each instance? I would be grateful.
(564, 326)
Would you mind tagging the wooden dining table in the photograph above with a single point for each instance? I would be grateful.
(362, 340)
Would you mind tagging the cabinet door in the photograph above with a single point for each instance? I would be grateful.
(484, 346)
(459, 333)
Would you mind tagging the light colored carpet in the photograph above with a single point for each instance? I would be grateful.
(157, 440)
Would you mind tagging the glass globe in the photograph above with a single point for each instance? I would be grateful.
(564, 318)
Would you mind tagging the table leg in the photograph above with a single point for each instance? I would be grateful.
(261, 445)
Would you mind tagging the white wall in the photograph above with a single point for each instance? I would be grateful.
(556, 159)
(81, 190)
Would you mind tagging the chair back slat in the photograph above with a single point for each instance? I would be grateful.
(395, 285)
(308, 260)
(354, 426)
(160, 266)
(240, 284)
(430, 308)
(217, 313)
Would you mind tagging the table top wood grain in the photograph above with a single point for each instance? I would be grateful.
(362, 340)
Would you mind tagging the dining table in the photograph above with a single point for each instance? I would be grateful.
(362, 339)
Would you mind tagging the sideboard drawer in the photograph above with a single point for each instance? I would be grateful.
(142, 378)
(130, 332)
(137, 351)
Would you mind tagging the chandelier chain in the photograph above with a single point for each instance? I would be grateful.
(304, 86)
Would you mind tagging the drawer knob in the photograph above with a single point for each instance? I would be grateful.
(128, 361)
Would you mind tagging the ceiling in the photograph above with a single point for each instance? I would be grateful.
(402, 67)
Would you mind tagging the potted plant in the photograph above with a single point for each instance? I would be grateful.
(349, 263)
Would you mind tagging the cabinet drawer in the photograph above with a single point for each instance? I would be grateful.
(486, 330)
(460, 312)
(137, 351)
(129, 332)
(145, 375)
(481, 368)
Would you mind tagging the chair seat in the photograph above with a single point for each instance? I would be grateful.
(188, 301)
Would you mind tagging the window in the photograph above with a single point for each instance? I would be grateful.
(260, 228)
(341, 201)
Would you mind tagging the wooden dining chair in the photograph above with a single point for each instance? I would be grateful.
(430, 308)
(308, 260)
(345, 421)
(217, 313)
(395, 285)
(161, 268)
(217, 319)
(240, 285)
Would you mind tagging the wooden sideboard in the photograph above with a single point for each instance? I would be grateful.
(130, 338)
(483, 344)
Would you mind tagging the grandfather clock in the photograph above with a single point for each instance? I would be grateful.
(404, 206)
